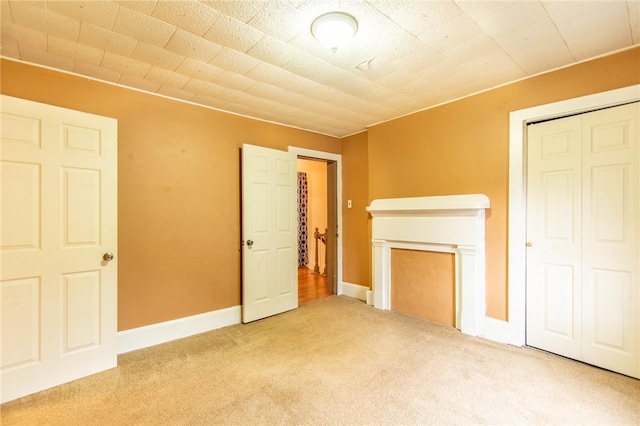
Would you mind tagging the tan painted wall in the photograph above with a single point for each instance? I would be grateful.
(178, 191)
(462, 147)
(179, 233)
(356, 236)
(317, 209)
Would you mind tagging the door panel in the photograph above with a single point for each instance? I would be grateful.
(81, 203)
(269, 232)
(285, 285)
(610, 308)
(559, 209)
(583, 207)
(81, 309)
(21, 223)
(59, 216)
(20, 322)
(559, 289)
(610, 192)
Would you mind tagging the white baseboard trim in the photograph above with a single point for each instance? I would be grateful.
(154, 334)
(356, 291)
(369, 296)
(496, 330)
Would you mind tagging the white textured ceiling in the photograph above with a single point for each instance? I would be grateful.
(258, 58)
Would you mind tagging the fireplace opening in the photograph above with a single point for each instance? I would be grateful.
(423, 285)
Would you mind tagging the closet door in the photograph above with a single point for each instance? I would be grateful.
(582, 230)
(554, 223)
(610, 253)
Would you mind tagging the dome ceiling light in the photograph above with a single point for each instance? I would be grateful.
(334, 30)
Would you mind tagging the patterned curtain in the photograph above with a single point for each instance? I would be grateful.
(303, 195)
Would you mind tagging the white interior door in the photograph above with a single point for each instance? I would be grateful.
(583, 226)
(269, 232)
(58, 294)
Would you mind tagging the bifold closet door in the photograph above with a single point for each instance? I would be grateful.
(583, 298)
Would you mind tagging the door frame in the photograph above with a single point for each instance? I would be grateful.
(518, 120)
(337, 158)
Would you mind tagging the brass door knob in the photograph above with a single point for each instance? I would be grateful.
(107, 257)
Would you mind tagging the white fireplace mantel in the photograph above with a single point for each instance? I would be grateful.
(451, 223)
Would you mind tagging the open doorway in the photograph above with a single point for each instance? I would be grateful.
(317, 227)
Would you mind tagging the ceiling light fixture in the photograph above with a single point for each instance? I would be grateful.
(334, 29)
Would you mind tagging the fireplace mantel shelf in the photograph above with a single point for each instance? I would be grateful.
(417, 206)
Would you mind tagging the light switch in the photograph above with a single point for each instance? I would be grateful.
(349, 204)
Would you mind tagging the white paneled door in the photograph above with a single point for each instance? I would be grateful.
(583, 233)
(59, 229)
(269, 232)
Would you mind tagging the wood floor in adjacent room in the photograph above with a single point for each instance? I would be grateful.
(311, 286)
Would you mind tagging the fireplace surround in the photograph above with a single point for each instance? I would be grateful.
(450, 223)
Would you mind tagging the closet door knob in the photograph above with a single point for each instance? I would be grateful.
(249, 243)
(108, 257)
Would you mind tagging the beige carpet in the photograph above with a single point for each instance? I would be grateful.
(336, 361)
